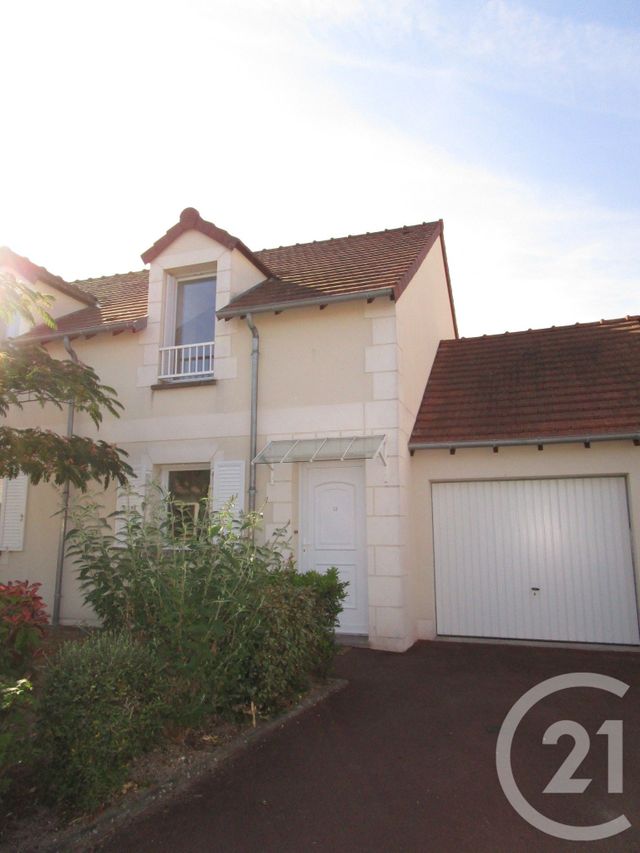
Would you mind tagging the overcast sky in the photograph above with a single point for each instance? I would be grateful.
(517, 123)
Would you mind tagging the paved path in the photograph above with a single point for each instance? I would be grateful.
(403, 759)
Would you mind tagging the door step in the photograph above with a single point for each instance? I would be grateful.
(358, 640)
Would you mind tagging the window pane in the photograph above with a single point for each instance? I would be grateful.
(187, 490)
(195, 311)
(189, 485)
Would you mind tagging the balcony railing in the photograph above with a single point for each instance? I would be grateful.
(189, 361)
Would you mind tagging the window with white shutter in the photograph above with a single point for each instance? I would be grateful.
(228, 484)
(13, 512)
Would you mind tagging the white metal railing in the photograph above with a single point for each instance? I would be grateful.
(188, 361)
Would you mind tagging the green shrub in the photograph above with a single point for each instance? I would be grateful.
(270, 657)
(15, 743)
(102, 704)
(328, 593)
(235, 624)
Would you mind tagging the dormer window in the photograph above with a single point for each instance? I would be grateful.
(189, 329)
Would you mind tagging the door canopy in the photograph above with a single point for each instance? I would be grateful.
(322, 449)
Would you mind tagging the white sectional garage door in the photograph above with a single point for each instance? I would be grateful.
(535, 559)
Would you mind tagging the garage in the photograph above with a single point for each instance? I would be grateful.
(535, 559)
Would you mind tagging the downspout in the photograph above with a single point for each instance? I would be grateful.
(253, 439)
(57, 594)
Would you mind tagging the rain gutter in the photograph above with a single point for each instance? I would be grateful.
(114, 328)
(229, 312)
(517, 442)
(253, 440)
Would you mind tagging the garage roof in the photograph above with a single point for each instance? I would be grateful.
(580, 381)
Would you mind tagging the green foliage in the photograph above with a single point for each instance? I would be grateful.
(328, 592)
(238, 627)
(46, 456)
(18, 299)
(15, 745)
(29, 374)
(29, 369)
(22, 621)
(103, 703)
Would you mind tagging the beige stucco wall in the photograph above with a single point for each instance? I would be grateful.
(424, 318)
(572, 460)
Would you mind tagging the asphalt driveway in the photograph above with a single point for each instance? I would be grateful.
(403, 759)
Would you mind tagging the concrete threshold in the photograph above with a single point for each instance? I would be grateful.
(357, 640)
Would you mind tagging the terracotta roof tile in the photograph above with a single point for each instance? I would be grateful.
(383, 261)
(120, 299)
(581, 380)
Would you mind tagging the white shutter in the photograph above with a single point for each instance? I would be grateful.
(132, 496)
(228, 484)
(13, 513)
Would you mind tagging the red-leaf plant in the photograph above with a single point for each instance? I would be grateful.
(22, 621)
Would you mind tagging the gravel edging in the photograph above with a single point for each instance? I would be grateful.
(97, 830)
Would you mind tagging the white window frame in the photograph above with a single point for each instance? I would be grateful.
(169, 352)
(171, 302)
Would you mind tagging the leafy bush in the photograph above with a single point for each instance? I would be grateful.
(22, 621)
(329, 593)
(15, 745)
(103, 703)
(269, 657)
(231, 618)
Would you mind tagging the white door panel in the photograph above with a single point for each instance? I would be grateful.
(535, 559)
(335, 508)
(332, 514)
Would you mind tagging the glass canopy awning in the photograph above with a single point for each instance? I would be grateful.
(322, 449)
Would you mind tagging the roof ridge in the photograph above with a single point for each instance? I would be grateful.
(629, 318)
(78, 281)
(348, 237)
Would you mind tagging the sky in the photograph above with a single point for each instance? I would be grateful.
(517, 123)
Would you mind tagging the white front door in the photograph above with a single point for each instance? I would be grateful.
(332, 515)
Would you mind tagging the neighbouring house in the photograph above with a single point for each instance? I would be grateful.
(485, 487)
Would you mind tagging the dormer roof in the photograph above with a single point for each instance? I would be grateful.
(190, 220)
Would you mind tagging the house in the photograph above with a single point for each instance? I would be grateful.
(498, 502)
